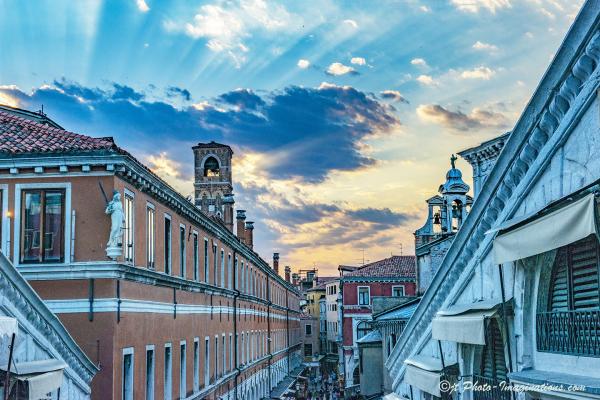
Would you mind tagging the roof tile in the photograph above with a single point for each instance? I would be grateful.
(394, 266)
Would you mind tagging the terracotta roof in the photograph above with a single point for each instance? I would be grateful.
(210, 145)
(394, 266)
(322, 282)
(22, 135)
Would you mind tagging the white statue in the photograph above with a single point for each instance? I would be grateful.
(117, 219)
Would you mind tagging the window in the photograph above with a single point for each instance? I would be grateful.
(149, 372)
(196, 272)
(229, 272)
(182, 371)
(363, 296)
(127, 371)
(398, 291)
(222, 268)
(230, 352)
(362, 329)
(237, 274)
(243, 277)
(216, 374)
(128, 229)
(182, 251)
(206, 361)
(196, 364)
(42, 228)
(168, 377)
(308, 329)
(215, 265)
(492, 365)
(569, 301)
(167, 245)
(224, 348)
(308, 350)
(150, 232)
(206, 260)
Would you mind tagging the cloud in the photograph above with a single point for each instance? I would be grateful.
(426, 80)
(484, 46)
(303, 64)
(393, 95)
(474, 6)
(379, 216)
(350, 22)
(458, 121)
(244, 99)
(358, 61)
(225, 26)
(419, 62)
(425, 9)
(174, 91)
(142, 6)
(306, 132)
(338, 69)
(480, 72)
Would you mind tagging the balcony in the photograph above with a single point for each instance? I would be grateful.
(569, 332)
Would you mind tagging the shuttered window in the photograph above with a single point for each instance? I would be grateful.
(493, 364)
(571, 322)
(575, 277)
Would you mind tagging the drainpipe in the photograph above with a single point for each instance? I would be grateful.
(236, 294)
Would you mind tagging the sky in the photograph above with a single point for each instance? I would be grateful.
(342, 115)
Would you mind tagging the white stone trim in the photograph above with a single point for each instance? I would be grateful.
(5, 219)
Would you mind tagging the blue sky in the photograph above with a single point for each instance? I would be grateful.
(342, 114)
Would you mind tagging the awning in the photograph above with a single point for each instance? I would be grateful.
(40, 377)
(464, 323)
(548, 232)
(8, 326)
(424, 373)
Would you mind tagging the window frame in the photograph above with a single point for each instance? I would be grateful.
(168, 372)
(182, 369)
(150, 236)
(128, 351)
(168, 250)
(401, 287)
(67, 227)
(358, 290)
(196, 254)
(4, 221)
(128, 231)
(182, 251)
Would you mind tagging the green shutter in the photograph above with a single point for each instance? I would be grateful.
(493, 363)
(559, 297)
(584, 274)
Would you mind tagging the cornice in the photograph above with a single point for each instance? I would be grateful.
(566, 88)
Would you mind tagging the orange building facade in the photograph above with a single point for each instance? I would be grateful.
(188, 310)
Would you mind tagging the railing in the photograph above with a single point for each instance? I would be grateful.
(569, 332)
(488, 389)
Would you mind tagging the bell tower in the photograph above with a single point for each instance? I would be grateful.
(213, 190)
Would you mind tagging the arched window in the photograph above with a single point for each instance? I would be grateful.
(363, 328)
(568, 320)
(211, 167)
(457, 214)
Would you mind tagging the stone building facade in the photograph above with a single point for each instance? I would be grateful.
(183, 309)
(513, 299)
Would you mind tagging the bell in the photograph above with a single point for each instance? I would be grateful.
(436, 219)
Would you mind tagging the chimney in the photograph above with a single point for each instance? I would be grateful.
(288, 270)
(241, 221)
(249, 234)
(228, 211)
(295, 279)
(276, 263)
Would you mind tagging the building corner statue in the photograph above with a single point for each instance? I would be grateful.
(114, 208)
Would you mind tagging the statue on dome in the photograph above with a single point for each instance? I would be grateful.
(453, 159)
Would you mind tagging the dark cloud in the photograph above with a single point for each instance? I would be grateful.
(174, 91)
(393, 95)
(243, 98)
(380, 216)
(459, 121)
(307, 131)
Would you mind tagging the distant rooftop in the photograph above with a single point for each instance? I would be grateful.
(394, 266)
(210, 145)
